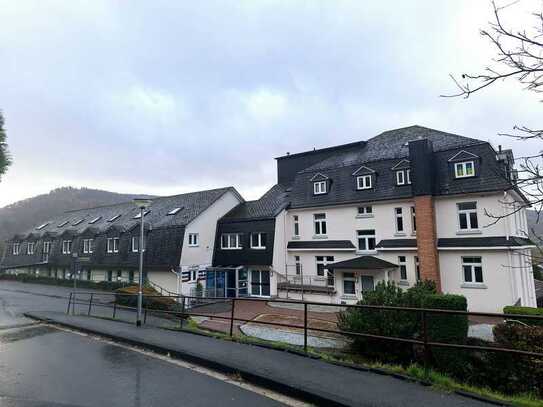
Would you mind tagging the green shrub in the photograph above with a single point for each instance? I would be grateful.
(525, 311)
(127, 296)
(511, 373)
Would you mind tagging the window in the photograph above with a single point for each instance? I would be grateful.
(109, 275)
(231, 241)
(296, 226)
(193, 239)
(322, 271)
(366, 240)
(42, 226)
(88, 246)
(62, 224)
(319, 220)
(135, 244)
(77, 222)
(114, 218)
(93, 221)
(30, 248)
(258, 240)
(349, 284)
(473, 270)
(403, 177)
(398, 213)
(417, 268)
(298, 265)
(46, 247)
(15, 249)
(365, 210)
(467, 216)
(403, 267)
(113, 245)
(319, 187)
(66, 246)
(174, 211)
(413, 220)
(145, 213)
(363, 182)
(464, 169)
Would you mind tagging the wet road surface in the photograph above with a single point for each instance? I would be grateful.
(41, 365)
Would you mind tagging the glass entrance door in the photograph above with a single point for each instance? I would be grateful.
(260, 283)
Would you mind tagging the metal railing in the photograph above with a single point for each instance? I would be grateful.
(424, 341)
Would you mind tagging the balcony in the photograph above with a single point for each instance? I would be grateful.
(297, 282)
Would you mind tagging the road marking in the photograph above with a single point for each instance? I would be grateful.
(230, 379)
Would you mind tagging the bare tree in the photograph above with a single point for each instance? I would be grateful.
(519, 58)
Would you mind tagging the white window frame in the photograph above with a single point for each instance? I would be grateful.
(366, 238)
(467, 213)
(88, 246)
(30, 248)
(46, 247)
(402, 264)
(417, 268)
(135, 244)
(413, 221)
(398, 216)
(320, 228)
(472, 266)
(113, 245)
(16, 248)
(463, 167)
(237, 246)
(66, 247)
(194, 240)
(296, 224)
(297, 265)
(319, 187)
(326, 273)
(363, 182)
(400, 177)
(259, 246)
(362, 211)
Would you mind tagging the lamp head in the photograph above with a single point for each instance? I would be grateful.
(142, 203)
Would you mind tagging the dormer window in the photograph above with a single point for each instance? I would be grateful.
(62, 224)
(464, 169)
(42, 226)
(319, 187)
(114, 218)
(30, 248)
(174, 211)
(403, 177)
(139, 215)
(93, 221)
(15, 249)
(363, 182)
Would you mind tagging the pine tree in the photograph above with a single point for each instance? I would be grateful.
(5, 159)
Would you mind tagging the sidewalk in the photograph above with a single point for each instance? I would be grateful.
(303, 377)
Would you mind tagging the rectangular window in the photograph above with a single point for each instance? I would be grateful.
(145, 213)
(408, 176)
(258, 240)
(413, 220)
(403, 267)
(366, 239)
(319, 220)
(365, 210)
(109, 275)
(319, 187)
(15, 249)
(193, 239)
(230, 241)
(472, 268)
(398, 213)
(296, 225)
(46, 247)
(363, 182)
(464, 169)
(30, 248)
(135, 244)
(349, 284)
(88, 246)
(400, 178)
(467, 216)
(298, 265)
(113, 245)
(322, 271)
(417, 268)
(66, 247)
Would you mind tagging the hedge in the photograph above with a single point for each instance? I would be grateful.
(526, 311)
(126, 296)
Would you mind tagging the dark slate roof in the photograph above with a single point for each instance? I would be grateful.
(392, 144)
(320, 244)
(490, 241)
(268, 206)
(192, 205)
(396, 243)
(362, 263)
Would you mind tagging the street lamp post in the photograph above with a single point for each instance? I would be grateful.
(142, 204)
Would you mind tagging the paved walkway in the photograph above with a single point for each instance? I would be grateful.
(314, 380)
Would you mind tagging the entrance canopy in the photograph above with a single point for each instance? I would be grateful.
(362, 263)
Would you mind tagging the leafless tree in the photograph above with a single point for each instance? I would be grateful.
(519, 57)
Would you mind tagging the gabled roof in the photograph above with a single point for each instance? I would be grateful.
(363, 170)
(362, 263)
(318, 177)
(463, 156)
(402, 165)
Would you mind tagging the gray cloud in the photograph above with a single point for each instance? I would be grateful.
(165, 97)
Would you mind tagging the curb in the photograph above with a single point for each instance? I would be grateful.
(262, 381)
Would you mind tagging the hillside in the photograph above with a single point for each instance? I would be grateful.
(22, 215)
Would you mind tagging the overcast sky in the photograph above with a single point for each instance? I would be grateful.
(165, 97)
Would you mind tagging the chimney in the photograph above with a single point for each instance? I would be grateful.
(422, 175)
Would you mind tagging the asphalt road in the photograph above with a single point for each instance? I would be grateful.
(42, 365)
